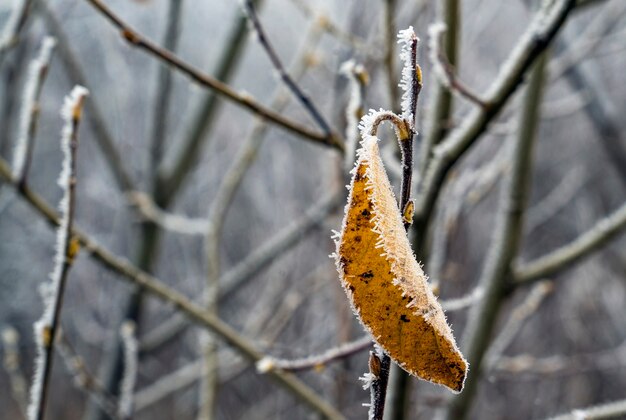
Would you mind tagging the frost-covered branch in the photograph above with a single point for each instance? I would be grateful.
(23, 152)
(66, 250)
(444, 71)
(182, 304)
(411, 82)
(535, 40)
(376, 379)
(358, 79)
(129, 378)
(168, 221)
(316, 361)
(600, 234)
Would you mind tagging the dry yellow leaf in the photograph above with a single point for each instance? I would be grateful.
(385, 283)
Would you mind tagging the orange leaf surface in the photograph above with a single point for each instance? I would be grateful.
(386, 285)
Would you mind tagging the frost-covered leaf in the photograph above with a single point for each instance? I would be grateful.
(386, 285)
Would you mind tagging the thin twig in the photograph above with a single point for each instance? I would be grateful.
(317, 361)
(12, 365)
(84, 380)
(273, 322)
(239, 275)
(129, 377)
(442, 102)
(135, 39)
(327, 25)
(451, 305)
(67, 248)
(17, 19)
(358, 79)
(600, 234)
(516, 321)
(284, 76)
(389, 7)
(164, 89)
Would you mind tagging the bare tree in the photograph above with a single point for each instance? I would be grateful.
(210, 189)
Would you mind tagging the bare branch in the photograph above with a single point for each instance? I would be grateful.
(504, 245)
(536, 39)
(67, 248)
(596, 237)
(84, 380)
(444, 70)
(317, 361)
(158, 289)
(12, 365)
(94, 115)
(516, 321)
(137, 40)
(25, 144)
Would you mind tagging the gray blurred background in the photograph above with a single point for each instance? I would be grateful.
(569, 352)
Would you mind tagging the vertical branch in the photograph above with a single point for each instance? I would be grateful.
(83, 379)
(170, 178)
(127, 387)
(505, 243)
(389, 8)
(164, 88)
(217, 216)
(442, 103)
(11, 363)
(102, 136)
(13, 26)
(67, 248)
(30, 111)
(358, 79)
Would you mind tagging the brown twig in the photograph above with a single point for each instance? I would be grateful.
(284, 76)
